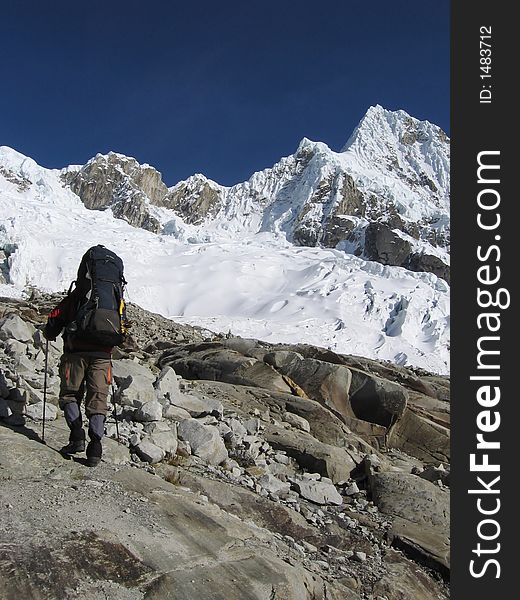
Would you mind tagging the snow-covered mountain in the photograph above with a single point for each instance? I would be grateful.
(344, 249)
(384, 197)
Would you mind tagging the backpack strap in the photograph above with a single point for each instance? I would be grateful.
(69, 292)
(91, 270)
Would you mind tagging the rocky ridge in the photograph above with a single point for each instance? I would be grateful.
(384, 197)
(121, 184)
(267, 471)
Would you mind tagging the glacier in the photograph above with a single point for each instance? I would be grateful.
(237, 267)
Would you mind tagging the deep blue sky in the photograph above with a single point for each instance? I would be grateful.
(223, 88)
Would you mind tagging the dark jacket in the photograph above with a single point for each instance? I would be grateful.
(61, 316)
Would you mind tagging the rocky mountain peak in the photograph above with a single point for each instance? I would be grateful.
(9, 157)
(16, 167)
(396, 126)
(307, 146)
(417, 151)
(194, 184)
(123, 170)
(118, 182)
(194, 199)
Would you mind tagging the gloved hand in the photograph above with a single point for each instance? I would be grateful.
(46, 334)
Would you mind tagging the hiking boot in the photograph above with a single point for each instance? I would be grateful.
(15, 420)
(94, 453)
(76, 436)
(73, 447)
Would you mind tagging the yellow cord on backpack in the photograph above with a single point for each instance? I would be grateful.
(124, 327)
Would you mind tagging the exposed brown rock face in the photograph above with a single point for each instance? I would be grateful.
(22, 183)
(120, 183)
(193, 202)
(340, 198)
(352, 201)
(4, 267)
(100, 180)
(386, 246)
(428, 263)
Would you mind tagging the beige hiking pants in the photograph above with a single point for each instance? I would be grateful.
(79, 370)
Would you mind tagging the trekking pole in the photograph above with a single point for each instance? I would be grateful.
(45, 389)
(115, 415)
(114, 404)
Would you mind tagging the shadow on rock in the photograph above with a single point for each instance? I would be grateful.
(23, 430)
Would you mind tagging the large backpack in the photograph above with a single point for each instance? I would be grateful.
(100, 317)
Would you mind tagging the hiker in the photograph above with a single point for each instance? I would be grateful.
(93, 320)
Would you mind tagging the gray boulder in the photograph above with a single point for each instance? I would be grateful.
(198, 406)
(35, 411)
(319, 492)
(252, 425)
(156, 427)
(166, 440)
(274, 485)
(175, 413)
(297, 421)
(14, 347)
(135, 383)
(167, 384)
(149, 452)
(32, 395)
(13, 327)
(124, 368)
(24, 365)
(420, 437)
(237, 428)
(376, 400)
(310, 453)
(324, 382)
(204, 440)
(411, 498)
(422, 512)
(214, 362)
(150, 411)
(135, 391)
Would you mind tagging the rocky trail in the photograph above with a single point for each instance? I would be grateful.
(244, 470)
